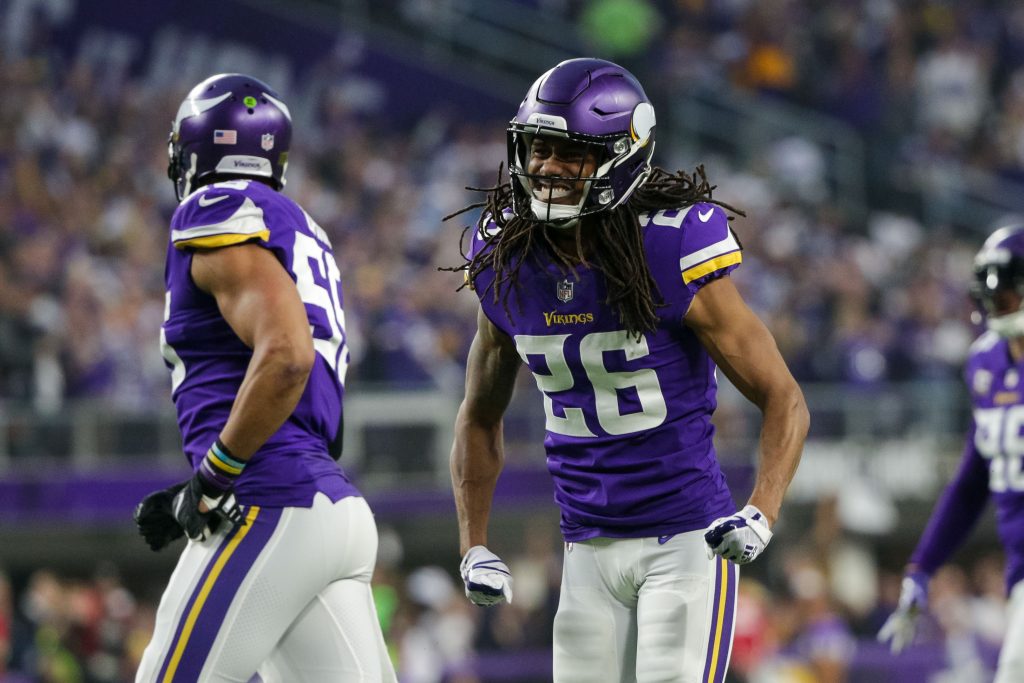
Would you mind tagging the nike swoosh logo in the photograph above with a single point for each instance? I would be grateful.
(207, 201)
(662, 540)
(705, 215)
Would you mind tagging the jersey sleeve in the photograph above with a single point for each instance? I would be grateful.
(708, 248)
(218, 216)
(956, 512)
(478, 244)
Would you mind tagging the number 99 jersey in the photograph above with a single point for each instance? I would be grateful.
(994, 452)
(628, 420)
(208, 361)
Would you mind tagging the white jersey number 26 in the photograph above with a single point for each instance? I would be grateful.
(605, 383)
(999, 439)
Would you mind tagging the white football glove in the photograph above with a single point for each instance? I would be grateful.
(740, 537)
(488, 581)
(899, 629)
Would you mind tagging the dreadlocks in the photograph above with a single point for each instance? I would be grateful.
(615, 240)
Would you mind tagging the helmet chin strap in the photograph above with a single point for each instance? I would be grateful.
(559, 216)
(189, 174)
(1007, 326)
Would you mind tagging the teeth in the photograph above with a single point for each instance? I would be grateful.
(549, 193)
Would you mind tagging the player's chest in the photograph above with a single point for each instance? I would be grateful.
(549, 302)
(999, 426)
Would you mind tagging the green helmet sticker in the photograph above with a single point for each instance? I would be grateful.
(250, 101)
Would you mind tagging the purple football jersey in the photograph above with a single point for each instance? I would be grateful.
(993, 462)
(628, 421)
(208, 361)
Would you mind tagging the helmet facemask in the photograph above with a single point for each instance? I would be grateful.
(999, 279)
(621, 163)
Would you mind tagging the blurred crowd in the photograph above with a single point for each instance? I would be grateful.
(84, 201)
(936, 90)
(807, 613)
(926, 82)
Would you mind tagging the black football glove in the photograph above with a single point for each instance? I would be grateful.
(198, 525)
(154, 517)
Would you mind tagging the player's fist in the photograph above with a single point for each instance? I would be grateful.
(199, 523)
(899, 629)
(740, 537)
(488, 581)
(154, 516)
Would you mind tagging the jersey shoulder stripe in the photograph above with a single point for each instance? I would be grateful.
(708, 243)
(483, 231)
(708, 267)
(986, 342)
(217, 216)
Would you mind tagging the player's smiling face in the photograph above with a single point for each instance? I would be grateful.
(1005, 301)
(557, 160)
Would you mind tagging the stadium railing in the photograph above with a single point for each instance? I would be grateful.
(404, 435)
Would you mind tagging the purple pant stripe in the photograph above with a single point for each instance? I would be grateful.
(714, 619)
(191, 601)
(729, 621)
(218, 600)
(723, 613)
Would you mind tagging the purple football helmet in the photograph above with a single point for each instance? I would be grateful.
(589, 101)
(229, 125)
(998, 269)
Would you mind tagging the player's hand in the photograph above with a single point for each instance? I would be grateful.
(488, 581)
(201, 512)
(154, 516)
(899, 629)
(740, 537)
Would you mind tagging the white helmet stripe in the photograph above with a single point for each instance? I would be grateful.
(280, 105)
(191, 107)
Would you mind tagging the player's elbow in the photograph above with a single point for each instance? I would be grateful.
(291, 362)
(479, 416)
(785, 401)
(796, 407)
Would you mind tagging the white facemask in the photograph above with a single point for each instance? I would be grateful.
(1007, 326)
(559, 216)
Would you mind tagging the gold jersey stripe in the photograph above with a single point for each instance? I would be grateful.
(214, 241)
(711, 266)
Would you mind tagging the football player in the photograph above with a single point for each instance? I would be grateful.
(275, 576)
(993, 458)
(609, 280)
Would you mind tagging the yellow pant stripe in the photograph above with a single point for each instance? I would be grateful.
(197, 606)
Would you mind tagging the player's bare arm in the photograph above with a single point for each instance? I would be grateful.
(259, 301)
(254, 338)
(746, 352)
(478, 454)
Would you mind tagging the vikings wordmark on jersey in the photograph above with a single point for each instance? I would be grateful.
(628, 419)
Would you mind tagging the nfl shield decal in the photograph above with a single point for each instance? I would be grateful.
(267, 141)
(564, 291)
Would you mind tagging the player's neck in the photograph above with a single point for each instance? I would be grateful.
(565, 239)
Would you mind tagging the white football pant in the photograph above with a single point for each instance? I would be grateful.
(1011, 658)
(288, 594)
(633, 610)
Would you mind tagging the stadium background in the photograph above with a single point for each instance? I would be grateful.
(873, 144)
